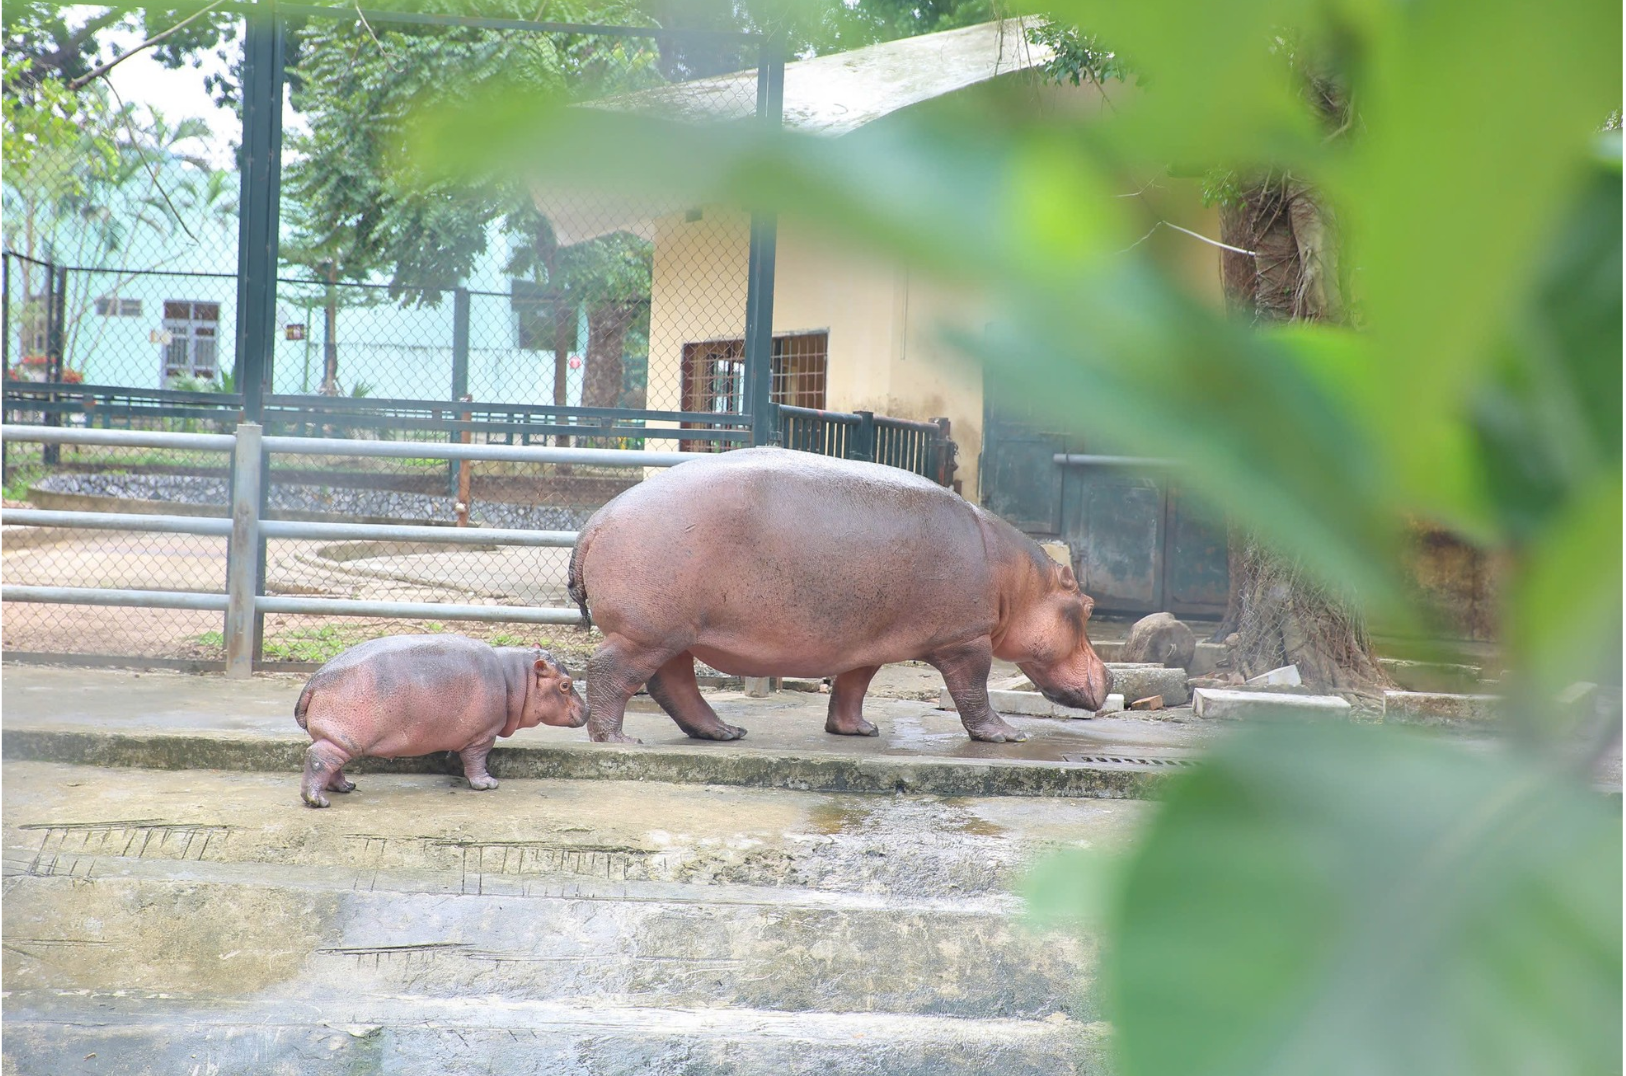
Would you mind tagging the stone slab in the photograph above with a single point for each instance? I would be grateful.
(1438, 708)
(1286, 676)
(1222, 705)
(1141, 681)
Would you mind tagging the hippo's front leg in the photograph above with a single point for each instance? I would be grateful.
(965, 673)
(474, 765)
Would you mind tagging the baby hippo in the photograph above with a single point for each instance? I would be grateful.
(418, 694)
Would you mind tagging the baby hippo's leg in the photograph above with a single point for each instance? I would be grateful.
(474, 765)
(323, 762)
(340, 783)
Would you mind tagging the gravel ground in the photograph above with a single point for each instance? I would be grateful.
(404, 507)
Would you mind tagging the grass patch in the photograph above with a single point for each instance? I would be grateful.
(320, 643)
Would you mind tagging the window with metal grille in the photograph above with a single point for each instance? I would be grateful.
(192, 342)
(111, 306)
(714, 377)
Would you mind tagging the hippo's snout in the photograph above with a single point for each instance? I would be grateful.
(1090, 695)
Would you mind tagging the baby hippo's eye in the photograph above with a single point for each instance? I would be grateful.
(564, 685)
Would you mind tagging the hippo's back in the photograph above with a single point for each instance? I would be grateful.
(747, 541)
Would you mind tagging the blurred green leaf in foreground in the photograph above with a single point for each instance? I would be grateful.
(1314, 900)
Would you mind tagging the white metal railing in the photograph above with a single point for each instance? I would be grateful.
(245, 529)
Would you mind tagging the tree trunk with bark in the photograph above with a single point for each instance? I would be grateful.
(1274, 615)
(606, 340)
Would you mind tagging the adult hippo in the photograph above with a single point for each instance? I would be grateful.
(768, 562)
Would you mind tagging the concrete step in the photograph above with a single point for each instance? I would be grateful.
(210, 941)
(161, 920)
(414, 1037)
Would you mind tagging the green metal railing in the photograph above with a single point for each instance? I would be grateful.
(924, 448)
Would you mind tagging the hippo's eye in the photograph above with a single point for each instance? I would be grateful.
(564, 685)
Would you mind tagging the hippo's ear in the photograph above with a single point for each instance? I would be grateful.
(1068, 582)
(542, 668)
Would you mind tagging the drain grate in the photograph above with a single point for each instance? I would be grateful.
(1126, 760)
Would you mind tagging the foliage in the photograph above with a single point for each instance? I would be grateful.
(355, 214)
(1076, 56)
(96, 183)
(1336, 899)
(47, 42)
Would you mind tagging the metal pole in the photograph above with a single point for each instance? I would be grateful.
(243, 554)
(259, 194)
(460, 374)
(862, 446)
(760, 267)
(51, 455)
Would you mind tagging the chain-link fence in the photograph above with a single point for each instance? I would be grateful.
(502, 315)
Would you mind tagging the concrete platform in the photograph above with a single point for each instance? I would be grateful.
(177, 721)
(163, 922)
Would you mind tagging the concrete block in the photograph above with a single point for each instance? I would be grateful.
(1140, 681)
(1286, 676)
(1060, 553)
(1207, 658)
(1033, 704)
(1026, 703)
(1437, 708)
(1222, 704)
(1432, 676)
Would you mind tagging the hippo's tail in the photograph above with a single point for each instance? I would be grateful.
(577, 585)
(304, 702)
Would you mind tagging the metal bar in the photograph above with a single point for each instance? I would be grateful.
(460, 343)
(386, 532)
(419, 19)
(67, 435)
(243, 554)
(212, 526)
(862, 446)
(5, 312)
(54, 307)
(607, 457)
(257, 225)
(141, 599)
(126, 392)
(522, 614)
(1080, 459)
(456, 473)
(759, 273)
(342, 404)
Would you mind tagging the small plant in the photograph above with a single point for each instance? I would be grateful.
(314, 645)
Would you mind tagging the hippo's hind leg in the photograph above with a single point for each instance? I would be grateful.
(617, 669)
(677, 691)
(338, 782)
(847, 703)
(323, 760)
(474, 765)
(965, 674)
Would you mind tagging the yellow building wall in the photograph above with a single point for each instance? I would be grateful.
(885, 354)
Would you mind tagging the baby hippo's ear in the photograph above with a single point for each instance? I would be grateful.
(542, 668)
(1068, 582)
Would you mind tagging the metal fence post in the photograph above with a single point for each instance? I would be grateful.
(258, 213)
(243, 555)
(760, 266)
(863, 442)
(460, 374)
